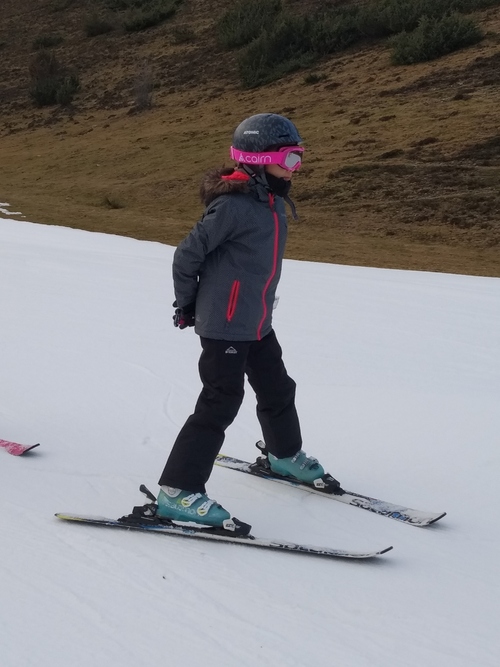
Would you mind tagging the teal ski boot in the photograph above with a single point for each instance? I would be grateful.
(179, 505)
(301, 467)
(195, 509)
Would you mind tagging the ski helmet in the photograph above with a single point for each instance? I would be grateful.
(260, 132)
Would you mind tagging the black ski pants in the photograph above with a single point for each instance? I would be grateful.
(223, 365)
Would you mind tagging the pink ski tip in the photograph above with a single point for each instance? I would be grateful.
(15, 448)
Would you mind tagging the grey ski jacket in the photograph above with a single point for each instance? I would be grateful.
(230, 263)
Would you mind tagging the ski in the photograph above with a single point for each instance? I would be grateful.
(209, 534)
(398, 512)
(15, 448)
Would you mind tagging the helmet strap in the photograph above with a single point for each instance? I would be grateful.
(259, 175)
(279, 186)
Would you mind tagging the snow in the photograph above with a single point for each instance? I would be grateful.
(5, 211)
(398, 392)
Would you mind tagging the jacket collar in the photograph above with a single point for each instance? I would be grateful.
(224, 181)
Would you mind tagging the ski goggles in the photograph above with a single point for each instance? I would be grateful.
(289, 157)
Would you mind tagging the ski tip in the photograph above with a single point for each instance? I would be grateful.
(64, 516)
(440, 516)
(15, 448)
(384, 551)
(31, 448)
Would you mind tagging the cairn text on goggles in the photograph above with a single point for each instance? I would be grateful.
(289, 157)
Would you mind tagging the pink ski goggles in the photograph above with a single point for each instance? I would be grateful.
(289, 157)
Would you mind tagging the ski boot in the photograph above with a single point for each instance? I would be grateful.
(177, 506)
(301, 468)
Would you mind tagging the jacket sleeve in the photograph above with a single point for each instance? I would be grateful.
(215, 227)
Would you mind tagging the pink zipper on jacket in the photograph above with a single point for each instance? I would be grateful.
(275, 265)
(233, 300)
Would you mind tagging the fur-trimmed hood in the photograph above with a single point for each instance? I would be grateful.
(223, 181)
(226, 180)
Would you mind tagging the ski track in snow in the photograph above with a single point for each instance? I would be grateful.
(398, 393)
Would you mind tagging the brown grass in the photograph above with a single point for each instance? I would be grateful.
(402, 164)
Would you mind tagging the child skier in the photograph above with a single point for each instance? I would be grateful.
(225, 276)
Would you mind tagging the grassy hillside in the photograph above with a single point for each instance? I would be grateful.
(402, 165)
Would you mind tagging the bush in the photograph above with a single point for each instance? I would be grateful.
(434, 38)
(96, 25)
(285, 43)
(381, 18)
(245, 22)
(294, 43)
(274, 54)
(68, 87)
(47, 42)
(50, 83)
(143, 88)
(121, 5)
(146, 14)
(45, 73)
(332, 31)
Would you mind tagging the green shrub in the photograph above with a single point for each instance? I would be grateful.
(295, 42)
(381, 18)
(246, 21)
(68, 87)
(45, 73)
(96, 25)
(121, 5)
(118, 5)
(276, 53)
(47, 42)
(434, 38)
(285, 42)
(50, 83)
(331, 32)
(143, 15)
(143, 88)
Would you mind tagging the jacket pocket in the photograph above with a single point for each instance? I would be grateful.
(233, 300)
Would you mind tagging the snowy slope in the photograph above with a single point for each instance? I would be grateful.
(398, 392)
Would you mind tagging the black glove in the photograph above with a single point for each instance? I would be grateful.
(184, 317)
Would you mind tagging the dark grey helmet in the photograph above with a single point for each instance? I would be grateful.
(259, 132)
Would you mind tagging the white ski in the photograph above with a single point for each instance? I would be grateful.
(398, 512)
(209, 534)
